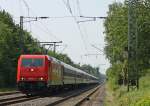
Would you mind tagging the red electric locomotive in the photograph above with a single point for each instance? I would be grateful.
(42, 72)
(30, 73)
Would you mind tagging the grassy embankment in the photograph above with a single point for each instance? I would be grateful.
(7, 89)
(120, 96)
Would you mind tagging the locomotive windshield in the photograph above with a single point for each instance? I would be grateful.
(30, 62)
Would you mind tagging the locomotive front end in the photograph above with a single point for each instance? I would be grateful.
(32, 73)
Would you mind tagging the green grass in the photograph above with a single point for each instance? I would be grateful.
(120, 96)
(7, 89)
(110, 97)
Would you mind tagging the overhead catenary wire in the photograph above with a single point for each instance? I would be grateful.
(77, 22)
(75, 18)
(98, 27)
(65, 46)
(37, 35)
(49, 31)
(27, 6)
(79, 28)
(45, 27)
(53, 17)
(68, 4)
(35, 19)
(45, 30)
(78, 6)
(81, 16)
(72, 16)
(97, 48)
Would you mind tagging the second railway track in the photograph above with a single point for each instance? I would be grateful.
(16, 100)
(9, 93)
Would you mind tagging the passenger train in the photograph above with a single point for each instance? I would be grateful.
(43, 72)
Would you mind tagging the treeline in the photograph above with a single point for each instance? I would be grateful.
(10, 51)
(116, 30)
(10, 48)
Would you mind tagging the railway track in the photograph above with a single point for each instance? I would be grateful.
(14, 100)
(71, 98)
(8, 98)
(55, 99)
(65, 99)
(9, 93)
(94, 99)
(76, 99)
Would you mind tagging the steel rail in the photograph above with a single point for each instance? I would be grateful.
(17, 100)
(9, 93)
(68, 97)
(96, 91)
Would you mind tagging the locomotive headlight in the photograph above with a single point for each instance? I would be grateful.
(32, 70)
(22, 78)
(41, 78)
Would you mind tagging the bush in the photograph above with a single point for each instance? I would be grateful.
(143, 102)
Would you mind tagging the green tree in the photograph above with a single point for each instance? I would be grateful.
(10, 49)
(116, 30)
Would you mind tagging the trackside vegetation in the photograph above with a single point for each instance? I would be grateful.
(116, 30)
(120, 96)
(10, 51)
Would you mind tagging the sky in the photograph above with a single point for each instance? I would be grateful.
(83, 42)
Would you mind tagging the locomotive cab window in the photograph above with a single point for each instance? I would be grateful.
(30, 62)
